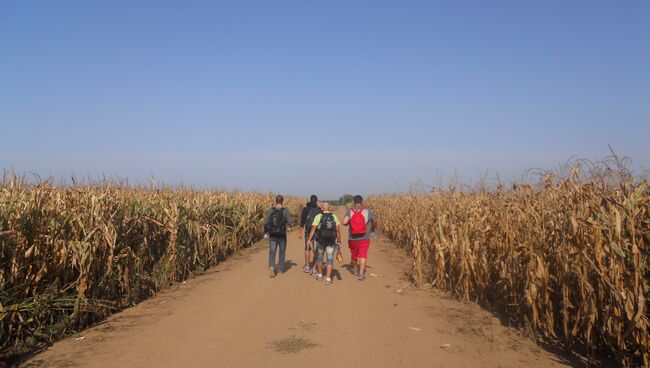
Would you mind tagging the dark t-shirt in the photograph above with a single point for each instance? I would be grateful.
(305, 213)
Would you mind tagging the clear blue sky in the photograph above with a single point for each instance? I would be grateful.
(320, 96)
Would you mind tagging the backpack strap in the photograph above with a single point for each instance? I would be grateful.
(360, 210)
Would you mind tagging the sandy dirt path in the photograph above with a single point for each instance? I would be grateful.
(231, 316)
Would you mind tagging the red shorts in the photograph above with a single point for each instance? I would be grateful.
(359, 248)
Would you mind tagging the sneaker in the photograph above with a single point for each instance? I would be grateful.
(361, 277)
(319, 277)
(271, 272)
(328, 281)
(306, 269)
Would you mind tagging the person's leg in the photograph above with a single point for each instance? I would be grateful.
(283, 251)
(314, 256)
(308, 253)
(362, 267)
(307, 256)
(363, 257)
(319, 262)
(330, 262)
(354, 256)
(272, 249)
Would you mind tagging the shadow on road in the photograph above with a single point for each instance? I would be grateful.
(288, 264)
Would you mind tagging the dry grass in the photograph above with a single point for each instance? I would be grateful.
(566, 257)
(70, 255)
(292, 345)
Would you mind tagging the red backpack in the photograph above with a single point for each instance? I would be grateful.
(357, 221)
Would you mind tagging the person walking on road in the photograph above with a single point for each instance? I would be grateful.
(275, 226)
(362, 224)
(327, 228)
(306, 219)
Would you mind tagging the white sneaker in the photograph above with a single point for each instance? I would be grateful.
(319, 277)
(328, 281)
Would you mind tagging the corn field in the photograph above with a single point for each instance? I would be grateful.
(71, 255)
(566, 258)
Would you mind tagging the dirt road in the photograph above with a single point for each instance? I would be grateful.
(236, 316)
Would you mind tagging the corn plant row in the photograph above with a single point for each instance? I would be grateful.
(566, 258)
(71, 255)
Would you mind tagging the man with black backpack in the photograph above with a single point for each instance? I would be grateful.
(326, 227)
(306, 219)
(275, 225)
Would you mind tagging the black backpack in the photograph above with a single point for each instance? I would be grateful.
(311, 216)
(277, 223)
(327, 228)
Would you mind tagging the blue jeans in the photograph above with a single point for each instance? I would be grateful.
(274, 244)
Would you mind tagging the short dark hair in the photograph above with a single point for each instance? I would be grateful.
(313, 198)
(358, 199)
(279, 199)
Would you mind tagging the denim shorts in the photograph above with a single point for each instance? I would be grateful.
(328, 251)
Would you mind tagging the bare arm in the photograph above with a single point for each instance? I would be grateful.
(311, 236)
(303, 217)
(346, 220)
(338, 234)
(303, 225)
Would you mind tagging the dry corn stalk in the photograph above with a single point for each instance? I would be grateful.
(69, 255)
(567, 257)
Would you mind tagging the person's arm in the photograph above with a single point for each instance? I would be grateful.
(267, 219)
(303, 220)
(311, 236)
(346, 218)
(303, 217)
(338, 234)
(287, 217)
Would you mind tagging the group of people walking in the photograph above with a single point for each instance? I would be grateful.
(321, 230)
